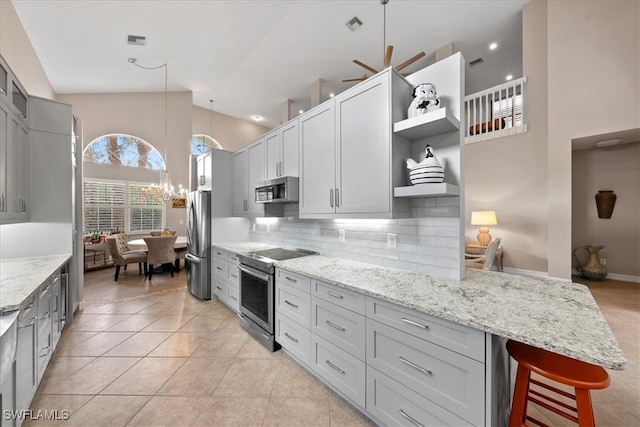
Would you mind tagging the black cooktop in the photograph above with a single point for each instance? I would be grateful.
(265, 258)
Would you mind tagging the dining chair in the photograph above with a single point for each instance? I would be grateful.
(160, 251)
(123, 255)
(483, 261)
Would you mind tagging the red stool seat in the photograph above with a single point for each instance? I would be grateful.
(581, 376)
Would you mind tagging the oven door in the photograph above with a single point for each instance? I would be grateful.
(256, 297)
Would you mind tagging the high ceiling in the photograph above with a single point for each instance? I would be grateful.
(250, 56)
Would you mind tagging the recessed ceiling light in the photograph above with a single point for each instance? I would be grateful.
(493, 46)
(257, 118)
(331, 95)
(607, 142)
(301, 111)
(509, 77)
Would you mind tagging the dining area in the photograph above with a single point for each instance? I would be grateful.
(159, 252)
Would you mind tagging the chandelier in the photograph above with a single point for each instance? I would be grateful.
(164, 190)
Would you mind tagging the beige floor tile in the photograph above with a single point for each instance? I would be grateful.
(60, 367)
(97, 345)
(162, 308)
(252, 349)
(131, 307)
(204, 323)
(180, 344)
(294, 381)
(92, 378)
(249, 378)
(108, 411)
(297, 412)
(168, 323)
(222, 344)
(96, 322)
(170, 411)
(197, 377)
(233, 411)
(59, 407)
(134, 323)
(139, 344)
(343, 414)
(146, 377)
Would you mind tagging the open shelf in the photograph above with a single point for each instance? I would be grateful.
(429, 124)
(427, 190)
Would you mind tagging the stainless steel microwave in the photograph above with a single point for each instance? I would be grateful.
(279, 190)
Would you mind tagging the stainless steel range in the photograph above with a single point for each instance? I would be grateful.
(257, 291)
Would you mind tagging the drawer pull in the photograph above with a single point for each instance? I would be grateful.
(333, 294)
(218, 287)
(410, 418)
(233, 298)
(286, 334)
(291, 304)
(411, 322)
(44, 351)
(291, 279)
(333, 325)
(414, 366)
(235, 276)
(46, 316)
(334, 367)
(218, 268)
(30, 322)
(233, 258)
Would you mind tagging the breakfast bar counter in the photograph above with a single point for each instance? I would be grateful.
(554, 315)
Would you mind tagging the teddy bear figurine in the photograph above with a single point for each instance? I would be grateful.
(425, 99)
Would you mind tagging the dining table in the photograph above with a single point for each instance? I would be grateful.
(179, 246)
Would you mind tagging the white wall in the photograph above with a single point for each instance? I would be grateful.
(618, 169)
(230, 132)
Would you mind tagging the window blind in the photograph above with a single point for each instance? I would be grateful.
(145, 211)
(104, 206)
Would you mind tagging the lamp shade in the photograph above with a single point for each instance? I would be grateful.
(483, 218)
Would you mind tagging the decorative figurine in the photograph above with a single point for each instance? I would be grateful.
(425, 99)
(427, 171)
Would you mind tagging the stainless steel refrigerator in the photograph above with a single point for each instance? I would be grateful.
(199, 259)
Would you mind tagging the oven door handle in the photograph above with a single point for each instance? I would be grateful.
(255, 273)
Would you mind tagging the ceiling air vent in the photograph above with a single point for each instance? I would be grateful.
(476, 62)
(354, 23)
(136, 40)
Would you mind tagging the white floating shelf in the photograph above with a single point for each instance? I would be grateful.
(427, 190)
(429, 124)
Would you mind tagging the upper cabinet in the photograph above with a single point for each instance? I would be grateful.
(347, 155)
(204, 171)
(249, 167)
(282, 151)
(240, 202)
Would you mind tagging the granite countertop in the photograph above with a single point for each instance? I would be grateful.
(21, 277)
(243, 247)
(555, 315)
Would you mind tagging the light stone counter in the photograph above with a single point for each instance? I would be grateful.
(558, 316)
(243, 247)
(21, 277)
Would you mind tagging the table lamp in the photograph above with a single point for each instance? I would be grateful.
(483, 218)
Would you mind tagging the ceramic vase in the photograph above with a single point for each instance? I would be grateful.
(605, 202)
(592, 269)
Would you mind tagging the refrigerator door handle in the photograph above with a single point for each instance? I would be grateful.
(192, 258)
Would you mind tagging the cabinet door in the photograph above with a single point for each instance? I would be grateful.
(317, 160)
(256, 169)
(240, 182)
(363, 148)
(204, 171)
(16, 164)
(272, 154)
(4, 133)
(55, 310)
(289, 149)
(26, 366)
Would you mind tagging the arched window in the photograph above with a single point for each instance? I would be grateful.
(201, 143)
(125, 150)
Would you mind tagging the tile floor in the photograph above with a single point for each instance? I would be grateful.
(150, 354)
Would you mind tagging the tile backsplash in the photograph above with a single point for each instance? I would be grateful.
(429, 245)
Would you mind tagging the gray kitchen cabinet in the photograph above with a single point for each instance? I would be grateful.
(339, 326)
(240, 202)
(204, 171)
(282, 151)
(226, 278)
(248, 169)
(45, 335)
(26, 355)
(14, 151)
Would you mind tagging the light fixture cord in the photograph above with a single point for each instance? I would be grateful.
(384, 25)
(210, 119)
(166, 114)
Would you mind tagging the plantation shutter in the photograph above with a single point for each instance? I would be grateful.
(104, 206)
(510, 109)
(145, 210)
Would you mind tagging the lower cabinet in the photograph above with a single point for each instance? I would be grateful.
(397, 365)
(26, 355)
(226, 279)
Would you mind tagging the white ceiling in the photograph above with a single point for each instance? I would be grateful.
(250, 56)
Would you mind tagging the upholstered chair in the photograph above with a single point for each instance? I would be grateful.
(483, 261)
(156, 233)
(160, 250)
(123, 255)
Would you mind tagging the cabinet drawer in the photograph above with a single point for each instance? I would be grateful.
(449, 379)
(220, 268)
(297, 281)
(234, 273)
(294, 303)
(28, 314)
(293, 337)
(232, 257)
(456, 337)
(234, 299)
(220, 289)
(339, 326)
(340, 369)
(217, 252)
(344, 298)
(396, 405)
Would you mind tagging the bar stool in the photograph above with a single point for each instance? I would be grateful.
(581, 376)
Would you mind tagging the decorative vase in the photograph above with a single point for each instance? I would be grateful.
(592, 269)
(605, 202)
(427, 171)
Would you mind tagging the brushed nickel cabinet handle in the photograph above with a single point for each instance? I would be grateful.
(411, 322)
(333, 294)
(333, 325)
(334, 367)
(410, 418)
(291, 279)
(337, 198)
(414, 366)
(331, 197)
(291, 304)
(286, 334)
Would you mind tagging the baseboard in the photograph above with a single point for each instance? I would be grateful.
(523, 272)
(615, 276)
